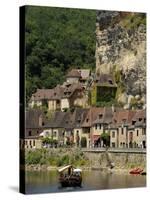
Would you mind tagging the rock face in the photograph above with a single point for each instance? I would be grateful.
(121, 48)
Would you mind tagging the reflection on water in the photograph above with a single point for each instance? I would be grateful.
(45, 182)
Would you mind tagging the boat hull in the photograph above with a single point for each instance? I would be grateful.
(136, 171)
(71, 182)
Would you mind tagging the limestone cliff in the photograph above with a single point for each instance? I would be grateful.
(121, 51)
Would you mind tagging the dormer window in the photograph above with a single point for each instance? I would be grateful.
(124, 120)
(115, 121)
(43, 123)
(133, 122)
(110, 82)
(79, 121)
(100, 116)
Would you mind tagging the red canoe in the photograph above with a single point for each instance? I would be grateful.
(136, 171)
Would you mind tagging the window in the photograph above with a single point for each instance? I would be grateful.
(30, 142)
(110, 81)
(95, 126)
(140, 119)
(33, 142)
(37, 131)
(26, 142)
(43, 123)
(79, 121)
(120, 143)
(100, 116)
(124, 121)
(113, 144)
(113, 134)
(29, 133)
(122, 131)
(54, 133)
(143, 131)
(87, 120)
(133, 122)
(77, 132)
(137, 132)
(100, 126)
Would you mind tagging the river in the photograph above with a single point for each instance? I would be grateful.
(47, 181)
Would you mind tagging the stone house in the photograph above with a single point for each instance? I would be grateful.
(51, 98)
(78, 75)
(32, 142)
(79, 116)
(90, 128)
(73, 76)
(59, 98)
(128, 129)
(104, 89)
(54, 128)
(34, 122)
(139, 134)
(101, 125)
(73, 95)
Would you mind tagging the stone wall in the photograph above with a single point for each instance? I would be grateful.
(121, 159)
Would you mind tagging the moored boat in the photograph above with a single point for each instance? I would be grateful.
(70, 176)
(136, 171)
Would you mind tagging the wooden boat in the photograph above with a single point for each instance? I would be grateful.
(136, 171)
(70, 176)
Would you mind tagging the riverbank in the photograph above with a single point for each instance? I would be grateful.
(52, 159)
(43, 168)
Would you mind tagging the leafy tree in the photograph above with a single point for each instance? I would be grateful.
(55, 40)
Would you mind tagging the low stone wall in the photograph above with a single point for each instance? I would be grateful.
(121, 158)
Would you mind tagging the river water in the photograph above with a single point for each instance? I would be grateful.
(47, 181)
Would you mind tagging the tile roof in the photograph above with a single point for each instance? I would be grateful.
(85, 73)
(41, 94)
(56, 121)
(140, 118)
(91, 116)
(32, 118)
(70, 89)
(74, 73)
(79, 73)
(67, 120)
(123, 117)
(105, 79)
(105, 116)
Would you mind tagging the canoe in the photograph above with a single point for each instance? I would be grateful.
(136, 171)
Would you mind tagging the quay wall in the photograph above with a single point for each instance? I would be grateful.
(121, 158)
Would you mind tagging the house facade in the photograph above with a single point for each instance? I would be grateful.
(35, 120)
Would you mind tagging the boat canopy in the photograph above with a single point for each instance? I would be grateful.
(77, 170)
(64, 168)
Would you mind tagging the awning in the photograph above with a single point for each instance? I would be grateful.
(64, 168)
(95, 137)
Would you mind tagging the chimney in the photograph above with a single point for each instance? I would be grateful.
(113, 108)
